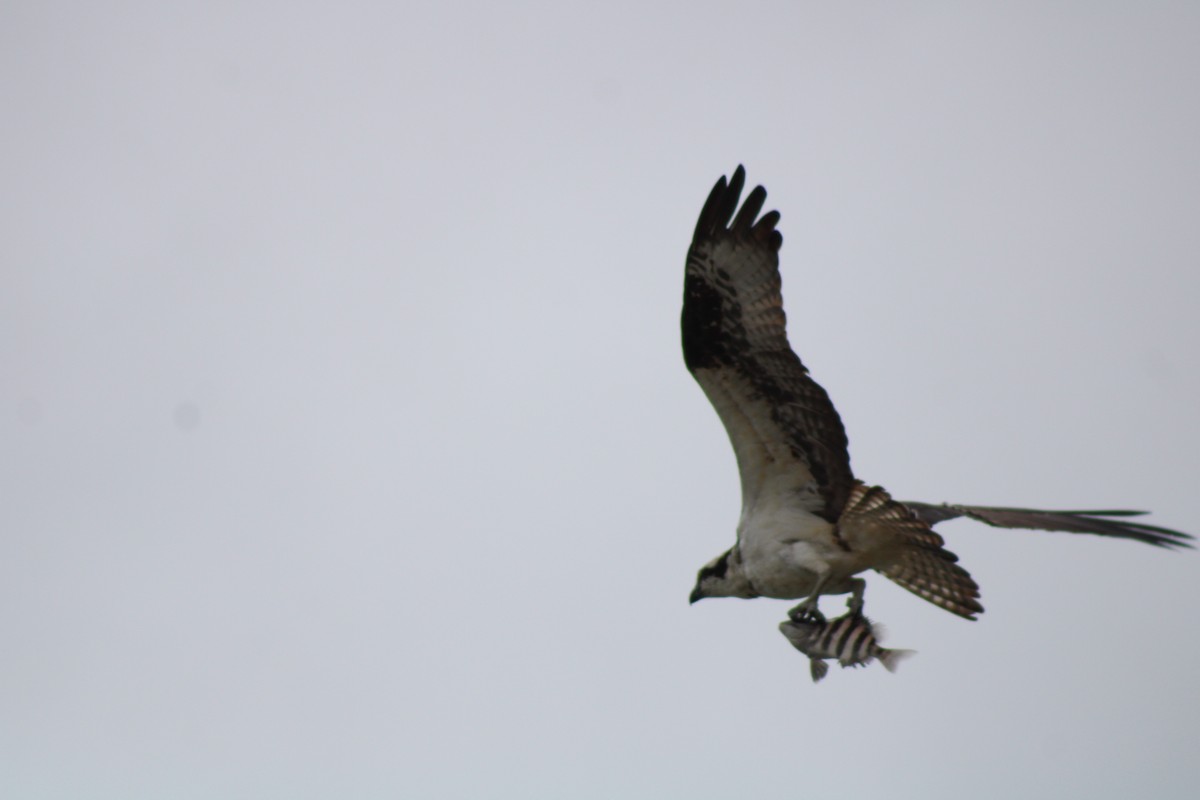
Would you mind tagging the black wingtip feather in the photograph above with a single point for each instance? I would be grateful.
(722, 203)
(705, 224)
(764, 230)
(744, 222)
(728, 202)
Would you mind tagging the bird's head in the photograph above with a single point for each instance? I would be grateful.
(723, 577)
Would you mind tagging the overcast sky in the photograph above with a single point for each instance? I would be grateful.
(348, 450)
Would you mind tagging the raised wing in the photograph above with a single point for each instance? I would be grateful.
(782, 425)
(1101, 523)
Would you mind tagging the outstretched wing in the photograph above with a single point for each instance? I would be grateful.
(1101, 523)
(919, 559)
(782, 425)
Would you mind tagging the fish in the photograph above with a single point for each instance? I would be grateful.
(851, 639)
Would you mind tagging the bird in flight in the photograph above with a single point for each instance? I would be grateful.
(808, 527)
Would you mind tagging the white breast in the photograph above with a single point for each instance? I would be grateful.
(785, 548)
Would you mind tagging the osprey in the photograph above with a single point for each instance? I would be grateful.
(808, 527)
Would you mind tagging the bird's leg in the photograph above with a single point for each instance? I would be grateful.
(808, 611)
(855, 603)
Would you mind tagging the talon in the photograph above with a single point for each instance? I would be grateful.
(806, 612)
(809, 610)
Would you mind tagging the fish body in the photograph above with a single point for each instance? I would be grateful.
(851, 639)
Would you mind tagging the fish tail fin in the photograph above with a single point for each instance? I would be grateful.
(891, 658)
(818, 668)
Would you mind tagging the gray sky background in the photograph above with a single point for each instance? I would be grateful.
(349, 452)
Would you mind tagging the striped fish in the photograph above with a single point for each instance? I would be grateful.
(849, 638)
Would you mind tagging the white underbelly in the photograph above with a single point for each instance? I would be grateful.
(785, 551)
